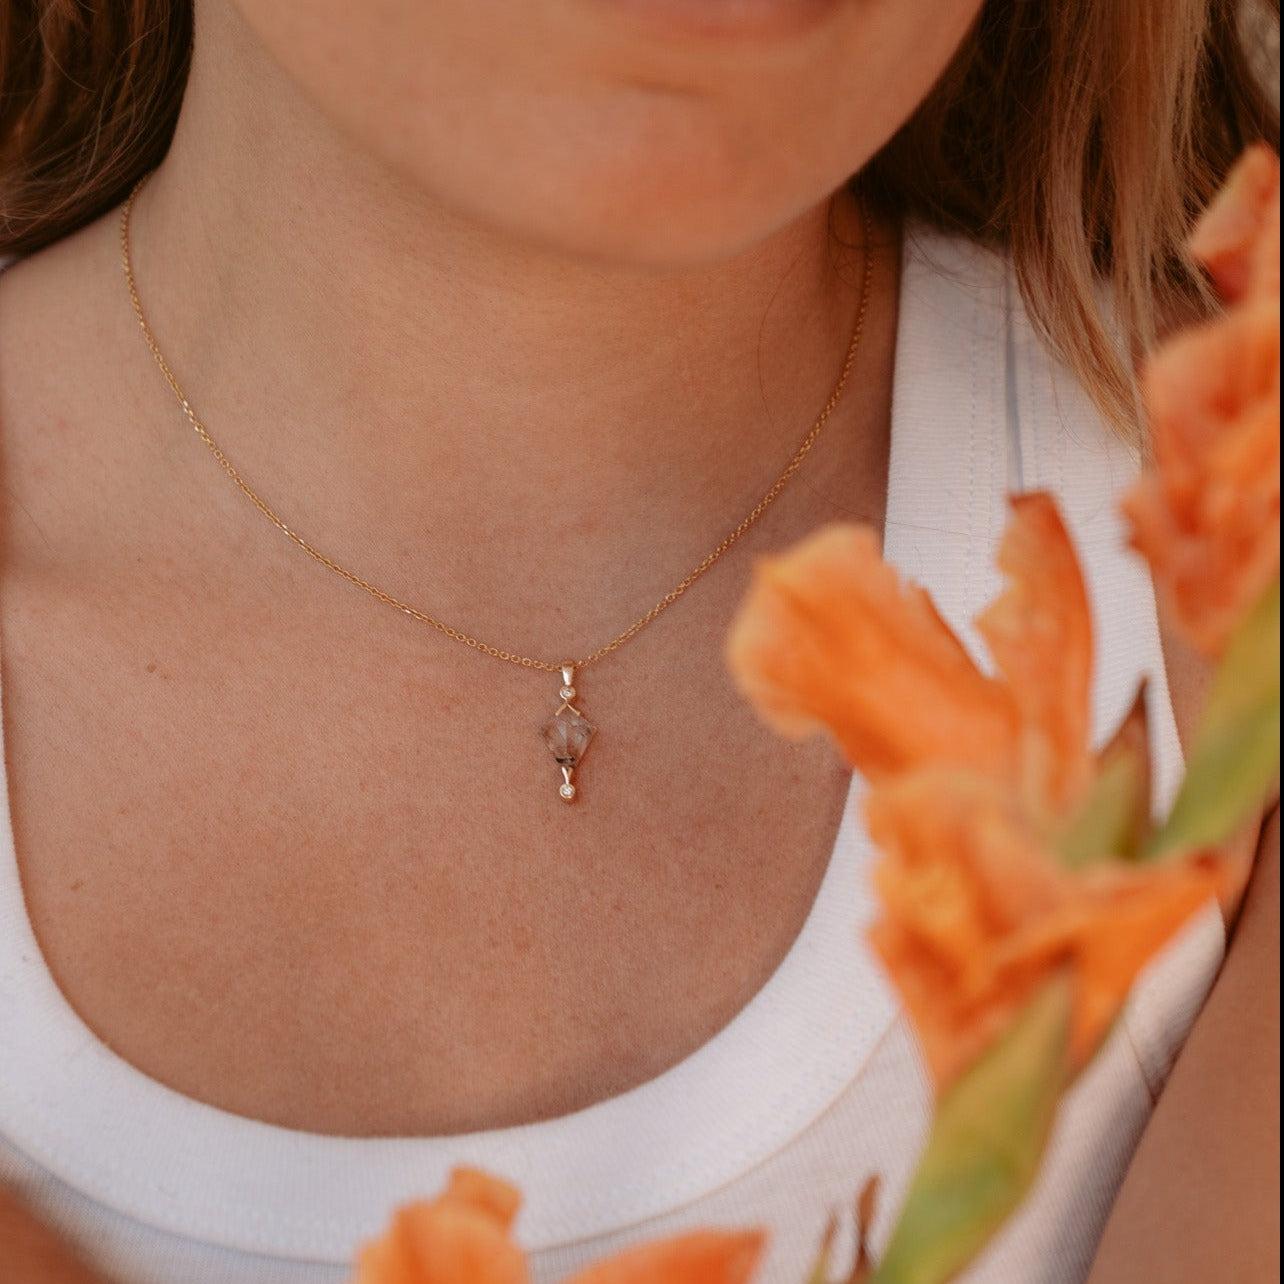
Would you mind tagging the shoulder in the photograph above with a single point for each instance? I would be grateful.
(1057, 437)
(64, 337)
(968, 292)
(987, 402)
(989, 406)
(1060, 439)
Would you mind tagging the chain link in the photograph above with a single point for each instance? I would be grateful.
(457, 635)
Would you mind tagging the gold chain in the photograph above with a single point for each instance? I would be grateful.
(457, 635)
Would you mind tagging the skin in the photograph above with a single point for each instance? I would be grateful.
(1201, 1200)
(513, 307)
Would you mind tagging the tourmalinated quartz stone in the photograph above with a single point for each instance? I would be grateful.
(567, 735)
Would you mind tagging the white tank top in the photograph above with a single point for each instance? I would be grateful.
(815, 1085)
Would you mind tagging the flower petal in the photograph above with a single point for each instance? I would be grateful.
(491, 1196)
(960, 880)
(389, 1260)
(459, 1244)
(701, 1257)
(1238, 237)
(1207, 516)
(1125, 917)
(830, 638)
(1040, 634)
(461, 1237)
(977, 915)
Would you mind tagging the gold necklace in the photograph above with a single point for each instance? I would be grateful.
(567, 732)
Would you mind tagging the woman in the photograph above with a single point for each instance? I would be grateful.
(509, 313)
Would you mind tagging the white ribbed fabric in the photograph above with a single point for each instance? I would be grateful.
(813, 1086)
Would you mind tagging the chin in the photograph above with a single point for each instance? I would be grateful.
(683, 225)
(654, 198)
(662, 132)
(687, 226)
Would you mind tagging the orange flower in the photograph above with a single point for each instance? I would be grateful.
(1238, 238)
(978, 914)
(703, 1257)
(464, 1237)
(1207, 517)
(830, 637)
(1039, 632)
(976, 780)
(461, 1237)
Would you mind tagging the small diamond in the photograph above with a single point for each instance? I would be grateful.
(567, 693)
(567, 735)
(567, 791)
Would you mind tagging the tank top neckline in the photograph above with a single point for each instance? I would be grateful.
(125, 1140)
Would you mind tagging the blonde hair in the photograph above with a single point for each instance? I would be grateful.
(1080, 135)
(1084, 136)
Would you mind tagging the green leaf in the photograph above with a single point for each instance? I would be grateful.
(987, 1141)
(1236, 755)
(1113, 820)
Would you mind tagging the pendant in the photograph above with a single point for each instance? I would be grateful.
(567, 734)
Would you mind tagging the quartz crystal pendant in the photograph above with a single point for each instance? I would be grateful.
(567, 734)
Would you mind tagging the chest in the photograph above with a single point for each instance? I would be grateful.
(318, 871)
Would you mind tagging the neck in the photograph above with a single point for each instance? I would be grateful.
(397, 362)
